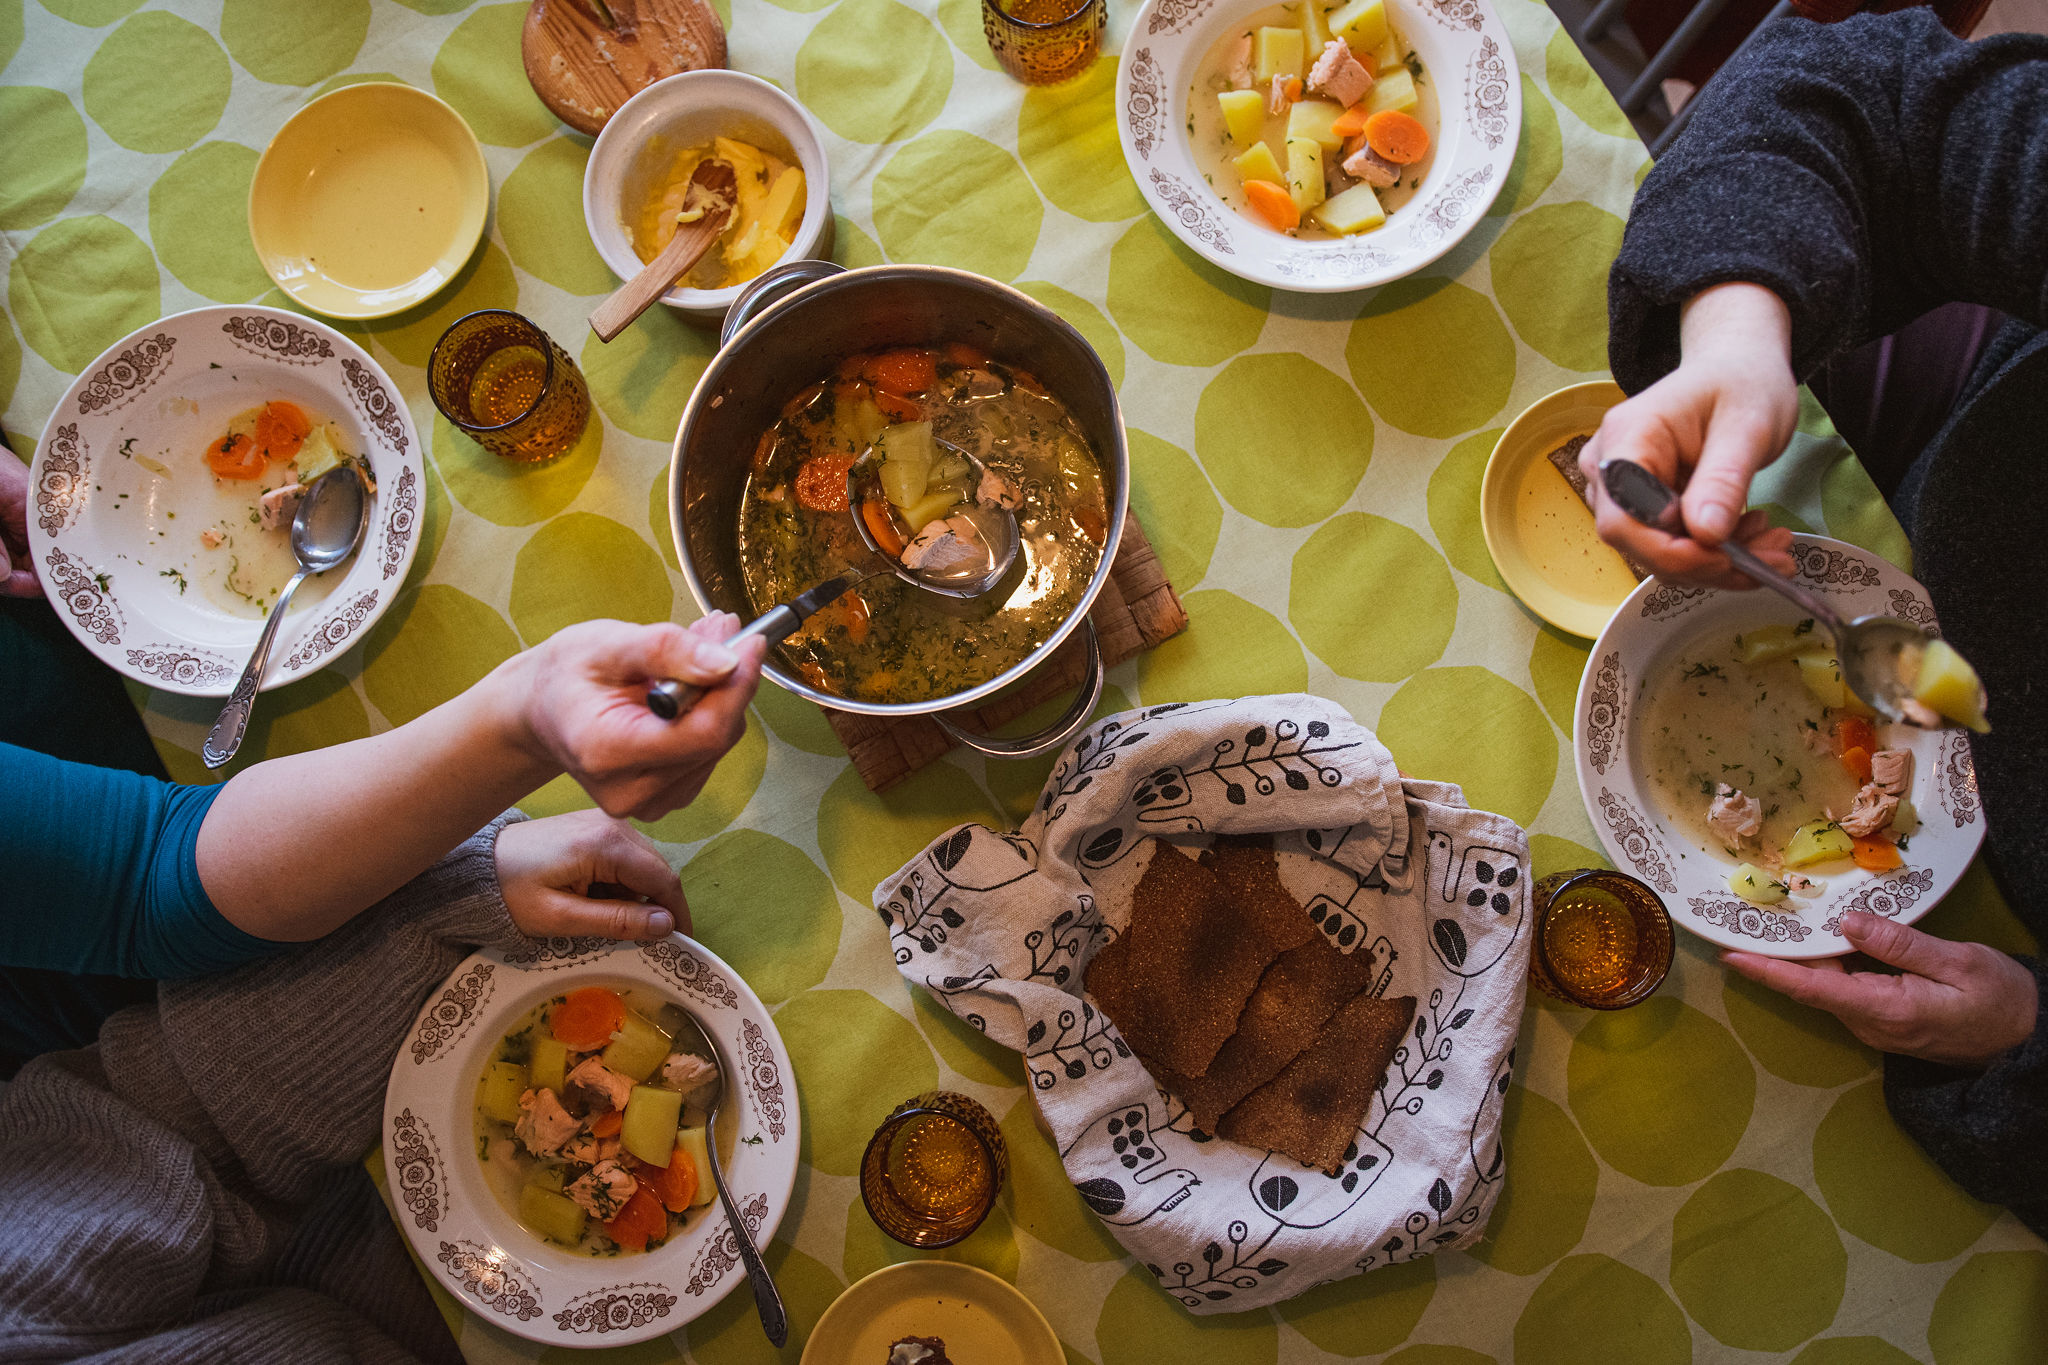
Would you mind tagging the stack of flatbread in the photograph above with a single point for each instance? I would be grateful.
(1239, 1006)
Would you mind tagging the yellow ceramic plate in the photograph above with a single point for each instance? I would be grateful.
(368, 200)
(1541, 536)
(981, 1319)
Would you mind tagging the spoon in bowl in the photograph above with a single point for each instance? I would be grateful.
(1879, 655)
(712, 195)
(767, 1302)
(326, 530)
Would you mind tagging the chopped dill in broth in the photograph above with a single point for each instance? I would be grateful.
(886, 641)
(1707, 718)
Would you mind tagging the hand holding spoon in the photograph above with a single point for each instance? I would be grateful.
(1879, 655)
(713, 195)
(326, 530)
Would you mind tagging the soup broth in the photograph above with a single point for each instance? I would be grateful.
(886, 640)
(1708, 718)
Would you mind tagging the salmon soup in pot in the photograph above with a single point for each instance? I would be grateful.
(814, 362)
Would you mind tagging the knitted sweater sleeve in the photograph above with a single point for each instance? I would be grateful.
(172, 1159)
(1865, 172)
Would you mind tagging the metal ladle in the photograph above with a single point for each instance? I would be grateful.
(326, 530)
(1000, 535)
(1872, 651)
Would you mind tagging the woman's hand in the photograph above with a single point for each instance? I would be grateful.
(17, 570)
(1706, 429)
(1959, 1004)
(546, 869)
(583, 704)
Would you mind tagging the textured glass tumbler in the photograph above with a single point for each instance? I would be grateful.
(1043, 42)
(932, 1171)
(1603, 939)
(507, 386)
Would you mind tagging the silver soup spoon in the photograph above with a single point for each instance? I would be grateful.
(1878, 655)
(326, 530)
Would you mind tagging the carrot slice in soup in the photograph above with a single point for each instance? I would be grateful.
(587, 1019)
(1273, 204)
(883, 527)
(903, 372)
(235, 457)
(1351, 122)
(960, 353)
(281, 428)
(821, 482)
(608, 1123)
(1857, 761)
(641, 1218)
(896, 406)
(674, 1184)
(1877, 855)
(1398, 137)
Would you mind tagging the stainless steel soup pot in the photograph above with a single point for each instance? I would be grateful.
(787, 331)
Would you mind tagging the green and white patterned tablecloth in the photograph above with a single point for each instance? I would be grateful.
(1708, 1176)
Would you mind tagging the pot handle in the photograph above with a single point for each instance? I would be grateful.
(1054, 736)
(769, 288)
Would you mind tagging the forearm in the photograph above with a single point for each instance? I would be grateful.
(295, 846)
(1864, 172)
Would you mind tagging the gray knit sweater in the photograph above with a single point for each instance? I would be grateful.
(190, 1188)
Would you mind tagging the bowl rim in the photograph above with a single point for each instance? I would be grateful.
(1194, 219)
(475, 190)
(702, 396)
(612, 150)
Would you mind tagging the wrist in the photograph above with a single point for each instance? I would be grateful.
(1737, 321)
(504, 715)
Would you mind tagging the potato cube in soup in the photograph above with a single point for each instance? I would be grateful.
(1755, 885)
(1949, 684)
(1355, 210)
(1765, 643)
(1244, 113)
(1818, 841)
(1312, 119)
(1395, 90)
(1305, 172)
(553, 1215)
(691, 1141)
(1386, 56)
(637, 1048)
(1822, 675)
(648, 1130)
(497, 1093)
(1259, 164)
(1362, 23)
(1315, 27)
(1276, 52)
(549, 1062)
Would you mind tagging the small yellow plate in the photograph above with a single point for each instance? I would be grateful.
(368, 200)
(1541, 536)
(982, 1319)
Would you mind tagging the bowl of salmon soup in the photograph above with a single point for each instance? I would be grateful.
(1690, 690)
(1457, 54)
(444, 1149)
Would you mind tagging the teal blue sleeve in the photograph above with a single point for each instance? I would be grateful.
(102, 875)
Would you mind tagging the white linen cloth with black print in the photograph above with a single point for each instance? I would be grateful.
(1001, 928)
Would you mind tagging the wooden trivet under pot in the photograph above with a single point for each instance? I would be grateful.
(583, 71)
(1136, 609)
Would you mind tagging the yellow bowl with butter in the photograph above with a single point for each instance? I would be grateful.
(368, 200)
(643, 158)
(1540, 533)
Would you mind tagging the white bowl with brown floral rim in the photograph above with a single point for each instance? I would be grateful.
(1662, 621)
(1466, 54)
(121, 500)
(471, 1243)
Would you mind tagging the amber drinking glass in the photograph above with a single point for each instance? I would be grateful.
(1603, 939)
(933, 1169)
(1043, 42)
(508, 386)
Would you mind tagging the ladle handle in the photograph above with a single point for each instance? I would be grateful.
(225, 739)
(1651, 501)
(669, 698)
(1054, 736)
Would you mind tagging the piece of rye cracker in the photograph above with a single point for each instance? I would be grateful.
(1297, 995)
(1566, 459)
(1311, 1110)
(1176, 980)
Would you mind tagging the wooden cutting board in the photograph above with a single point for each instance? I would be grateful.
(1136, 609)
(583, 71)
